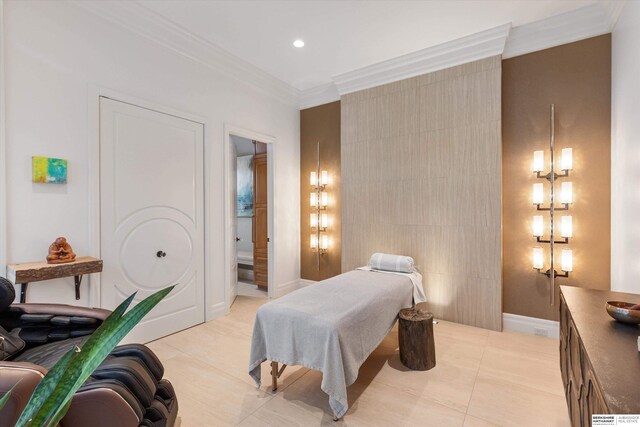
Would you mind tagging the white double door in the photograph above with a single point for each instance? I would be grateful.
(152, 215)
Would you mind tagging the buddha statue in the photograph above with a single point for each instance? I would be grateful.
(60, 252)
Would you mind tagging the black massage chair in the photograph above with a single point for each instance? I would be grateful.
(126, 390)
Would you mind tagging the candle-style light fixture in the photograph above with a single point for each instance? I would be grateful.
(319, 201)
(565, 199)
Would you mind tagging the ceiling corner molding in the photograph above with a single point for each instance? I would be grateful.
(146, 23)
(466, 49)
(589, 21)
(319, 95)
(614, 10)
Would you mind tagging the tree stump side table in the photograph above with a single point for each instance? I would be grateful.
(415, 336)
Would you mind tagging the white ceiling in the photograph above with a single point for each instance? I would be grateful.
(342, 36)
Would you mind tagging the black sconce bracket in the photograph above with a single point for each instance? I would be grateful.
(560, 242)
(565, 207)
(555, 273)
(555, 175)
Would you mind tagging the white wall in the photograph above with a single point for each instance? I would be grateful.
(56, 54)
(245, 232)
(625, 156)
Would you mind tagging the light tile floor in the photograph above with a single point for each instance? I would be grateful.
(482, 378)
(248, 289)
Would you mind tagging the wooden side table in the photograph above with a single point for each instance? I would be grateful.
(25, 273)
(415, 336)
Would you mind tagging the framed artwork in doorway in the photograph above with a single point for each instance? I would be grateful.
(245, 186)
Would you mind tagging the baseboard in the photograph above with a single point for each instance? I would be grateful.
(285, 288)
(216, 310)
(530, 325)
(306, 282)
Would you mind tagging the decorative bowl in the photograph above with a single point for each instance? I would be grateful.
(620, 311)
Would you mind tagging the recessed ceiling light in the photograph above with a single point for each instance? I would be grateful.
(298, 43)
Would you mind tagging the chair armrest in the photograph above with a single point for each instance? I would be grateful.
(104, 403)
(25, 377)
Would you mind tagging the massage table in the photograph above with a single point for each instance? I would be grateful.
(331, 326)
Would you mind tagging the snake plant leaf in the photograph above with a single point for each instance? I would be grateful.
(45, 387)
(93, 353)
(60, 414)
(4, 399)
(50, 381)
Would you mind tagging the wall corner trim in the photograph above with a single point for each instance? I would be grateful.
(470, 48)
(530, 325)
(583, 23)
(140, 20)
(3, 162)
(319, 95)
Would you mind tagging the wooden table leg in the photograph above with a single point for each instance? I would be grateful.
(23, 292)
(274, 376)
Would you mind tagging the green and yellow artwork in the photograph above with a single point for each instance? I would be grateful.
(49, 170)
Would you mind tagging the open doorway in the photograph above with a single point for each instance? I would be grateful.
(251, 217)
(249, 220)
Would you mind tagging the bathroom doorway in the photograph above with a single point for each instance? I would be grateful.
(250, 225)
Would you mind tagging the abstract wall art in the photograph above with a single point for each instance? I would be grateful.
(48, 170)
(245, 186)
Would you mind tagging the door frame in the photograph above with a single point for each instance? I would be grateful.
(3, 154)
(94, 93)
(229, 210)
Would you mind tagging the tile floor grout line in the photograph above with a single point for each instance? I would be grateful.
(476, 378)
(271, 397)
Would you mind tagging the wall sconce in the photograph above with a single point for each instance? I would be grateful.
(565, 198)
(538, 258)
(319, 201)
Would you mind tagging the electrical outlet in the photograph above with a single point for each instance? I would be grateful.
(542, 332)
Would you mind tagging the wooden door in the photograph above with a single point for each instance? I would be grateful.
(260, 222)
(152, 215)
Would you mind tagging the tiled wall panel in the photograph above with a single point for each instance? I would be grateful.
(421, 176)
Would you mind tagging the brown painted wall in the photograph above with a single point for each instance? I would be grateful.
(320, 124)
(577, 78)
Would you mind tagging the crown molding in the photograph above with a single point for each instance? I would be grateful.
(140, 20)
(589, 21)
(466, 49)
(614, 10)
(319, 95)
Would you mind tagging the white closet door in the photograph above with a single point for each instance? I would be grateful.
(152, 221)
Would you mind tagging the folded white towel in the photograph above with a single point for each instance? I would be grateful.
(416, 280)
(388, 262)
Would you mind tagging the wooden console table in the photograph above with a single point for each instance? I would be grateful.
(599, 357)
(25, 273)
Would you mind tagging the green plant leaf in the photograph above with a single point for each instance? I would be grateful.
(4, 399)
(61, 413)
(45, 387)
(93, 353)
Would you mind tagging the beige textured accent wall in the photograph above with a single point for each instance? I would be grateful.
(421, 166)
(576, 77)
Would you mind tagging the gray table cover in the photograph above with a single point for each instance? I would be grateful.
(331, 326)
